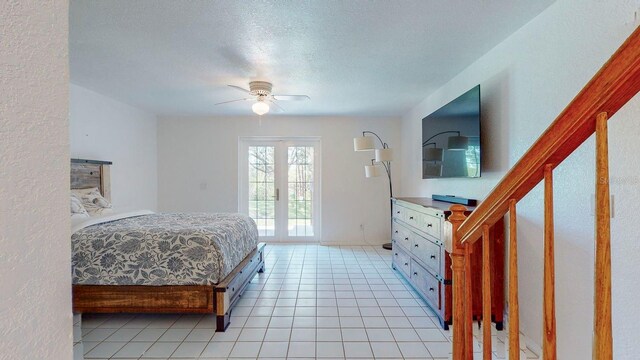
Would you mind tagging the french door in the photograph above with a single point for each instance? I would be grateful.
(279, 182)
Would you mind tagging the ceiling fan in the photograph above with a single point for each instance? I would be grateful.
(260, 92)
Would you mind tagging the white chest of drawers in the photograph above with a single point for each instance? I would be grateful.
(419, 254)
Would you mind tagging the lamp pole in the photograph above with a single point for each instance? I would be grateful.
(387, 169)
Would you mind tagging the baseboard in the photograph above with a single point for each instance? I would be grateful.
(331, 243)
(322, 243)
(528, 342)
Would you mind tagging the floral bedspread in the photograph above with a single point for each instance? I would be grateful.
(162, 249)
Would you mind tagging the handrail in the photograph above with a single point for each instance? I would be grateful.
(612, 87)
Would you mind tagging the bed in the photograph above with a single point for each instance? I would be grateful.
(143, 262)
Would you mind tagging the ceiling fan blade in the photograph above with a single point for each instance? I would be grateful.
(276, 105)
(239, 88)
(291, 97)
(230, 101)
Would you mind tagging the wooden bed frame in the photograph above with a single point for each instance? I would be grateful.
(200, 299)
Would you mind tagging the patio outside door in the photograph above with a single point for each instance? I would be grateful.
(280, 188)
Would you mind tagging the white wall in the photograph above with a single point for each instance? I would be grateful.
(105, 129)
(35, 256)
(196, 151)
(526, 81)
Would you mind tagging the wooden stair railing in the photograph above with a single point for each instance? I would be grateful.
(612, 87)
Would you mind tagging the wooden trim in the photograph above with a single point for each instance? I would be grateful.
(105, 181)
(457, 270)
(143, 299)
(172, 298)
(612, 87)
(514, 307)
(549, 298)
(468, 302)
(486, 293)
(85, 161)
(497, 236)
(602, 331)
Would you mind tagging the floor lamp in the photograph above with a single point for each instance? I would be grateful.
(383, 156)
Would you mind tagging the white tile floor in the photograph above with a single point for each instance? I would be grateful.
(311, 302)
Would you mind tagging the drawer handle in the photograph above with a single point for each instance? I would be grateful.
(396, 231)
(233, 289)
(429, 225)
(415, 273)
(433, 256)
(396, 254)
(406, 238)
(410, 217)
(431, 289)
(406, 264)
(416, 245)
(397, 212)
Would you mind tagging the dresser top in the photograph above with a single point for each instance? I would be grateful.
(430, 203)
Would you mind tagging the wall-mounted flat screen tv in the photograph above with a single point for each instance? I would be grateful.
(451, 139)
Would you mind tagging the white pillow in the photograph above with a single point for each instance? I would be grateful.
(77, 209)
(93, 201)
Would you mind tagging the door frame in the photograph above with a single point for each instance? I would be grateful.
(281, 182)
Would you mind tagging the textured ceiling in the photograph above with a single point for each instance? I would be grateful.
(354, 57)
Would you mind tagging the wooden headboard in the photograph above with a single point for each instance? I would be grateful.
(91, 173)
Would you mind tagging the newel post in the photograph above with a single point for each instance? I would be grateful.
(458, 284)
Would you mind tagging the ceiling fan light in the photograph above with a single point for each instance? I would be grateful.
(260, 108)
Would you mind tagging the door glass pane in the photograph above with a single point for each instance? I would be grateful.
(262, 188)
(300, 190)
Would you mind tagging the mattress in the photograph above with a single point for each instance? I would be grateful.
(161, 249)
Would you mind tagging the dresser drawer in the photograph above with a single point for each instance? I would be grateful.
(427, 252)
(399, 212)
(431, 225)
(402, 261)
(413, 218)
(401, 235)
(426, 283)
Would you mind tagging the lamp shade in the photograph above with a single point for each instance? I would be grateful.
(363, 143)
(371, 171)
(432, 154)
(260, 108)
(458, 143)
(384, 155)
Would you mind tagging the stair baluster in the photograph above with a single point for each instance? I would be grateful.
(486, 294)
(602, 338)
(514, 307)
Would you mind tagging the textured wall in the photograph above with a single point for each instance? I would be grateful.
(526, 82)
(196, 151)
(35, 280)
(105, 129)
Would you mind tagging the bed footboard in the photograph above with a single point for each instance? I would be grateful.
(198, 299)
(229, 291)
